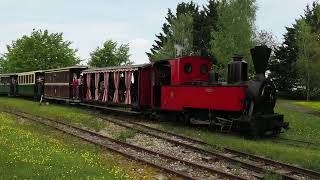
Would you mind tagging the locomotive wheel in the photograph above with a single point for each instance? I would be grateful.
(276, 131)
(185, 117)
(256, 131)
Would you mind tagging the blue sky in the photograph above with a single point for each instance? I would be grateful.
(89, 23)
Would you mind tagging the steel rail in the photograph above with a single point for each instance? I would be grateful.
(185, 176)
(266, 161)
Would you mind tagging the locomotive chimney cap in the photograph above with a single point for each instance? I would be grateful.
(260, 57)
(237, 57)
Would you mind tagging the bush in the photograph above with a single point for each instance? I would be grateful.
(299, 94)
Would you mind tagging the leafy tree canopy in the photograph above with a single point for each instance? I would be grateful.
(308, 63)
(110, 54)
(40, 50)
(235, 32)
(198, 22)
(298, 55)
(181, 38)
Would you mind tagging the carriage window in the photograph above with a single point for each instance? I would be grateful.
(203, 69)
(187, 68)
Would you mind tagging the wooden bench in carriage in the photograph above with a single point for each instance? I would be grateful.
(120, 88)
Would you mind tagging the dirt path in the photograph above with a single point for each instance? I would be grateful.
(298, 108)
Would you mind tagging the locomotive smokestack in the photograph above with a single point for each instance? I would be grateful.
(260, 57)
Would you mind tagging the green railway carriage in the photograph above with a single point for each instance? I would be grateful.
(28, 84)
(8, 84)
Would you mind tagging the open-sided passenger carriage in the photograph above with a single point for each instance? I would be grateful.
(119, 86)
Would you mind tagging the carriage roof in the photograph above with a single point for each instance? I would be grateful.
(66, 68)
(116, 68)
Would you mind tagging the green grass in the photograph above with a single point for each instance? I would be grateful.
(124, 135)
(315, 105)
(272, 177)
(68, 114)
(33, 151)
(302, 126)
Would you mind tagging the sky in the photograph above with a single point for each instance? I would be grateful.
(89, 23)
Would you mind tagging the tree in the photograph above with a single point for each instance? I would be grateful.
(235, 32)
(283, 69)
(40, 50)
(181, 30)
(289, 70)
(1, 65)
(110, 55)
(203, 22)
(162, 36)
(308, 47)
(266, 38)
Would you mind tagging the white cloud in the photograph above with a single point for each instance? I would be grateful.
(138, 47)
(89, 23)
(85, 37)
(275, 15)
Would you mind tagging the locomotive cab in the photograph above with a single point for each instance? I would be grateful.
(179, 71)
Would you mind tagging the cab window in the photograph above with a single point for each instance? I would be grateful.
(203, 69)
(187, 68)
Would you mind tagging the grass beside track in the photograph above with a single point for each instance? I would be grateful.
(32, 151)
(69, 115)
(314, 105)
(303, 127)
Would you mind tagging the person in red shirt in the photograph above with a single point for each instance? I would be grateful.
(75, 86)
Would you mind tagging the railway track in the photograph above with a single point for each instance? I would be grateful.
(167, 163)
(258, 164)
(297, 143)
(252, 162)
